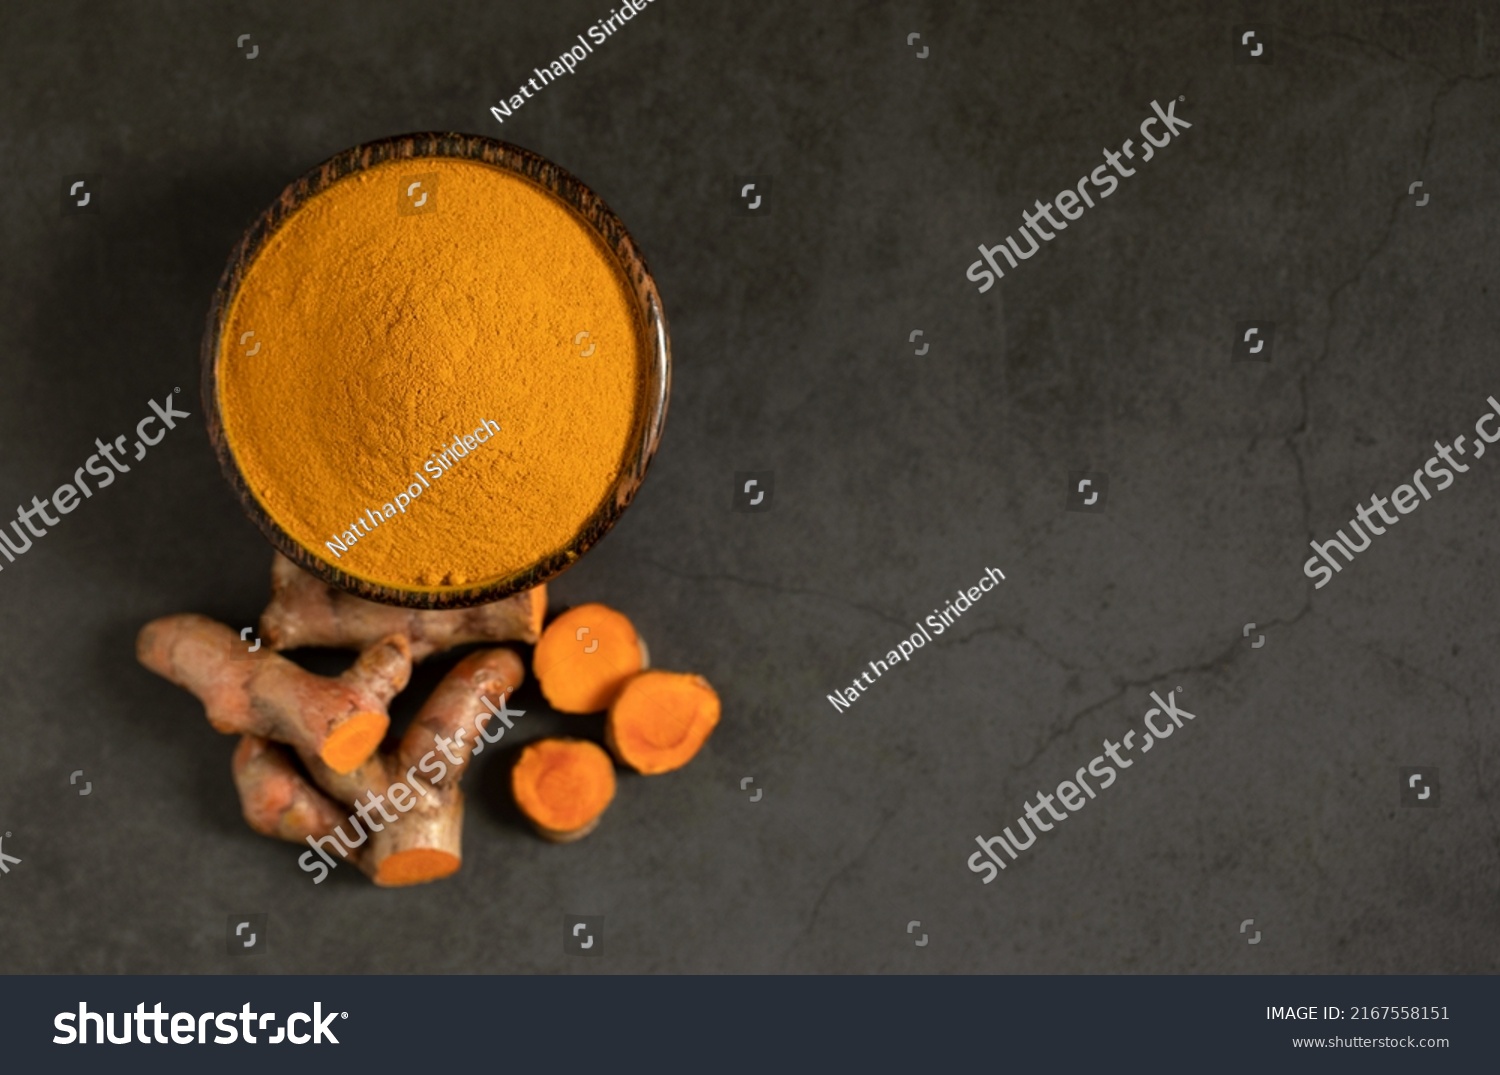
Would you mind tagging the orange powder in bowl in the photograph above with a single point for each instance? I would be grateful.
(434, 374)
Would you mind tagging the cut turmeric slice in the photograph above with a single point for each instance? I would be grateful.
(563, 787)
(416, 866)
(348, 745)
(584, 658)
(660, 720)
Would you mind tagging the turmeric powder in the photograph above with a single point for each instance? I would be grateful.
(377, 342)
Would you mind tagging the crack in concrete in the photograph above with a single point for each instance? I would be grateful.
(794, 591)
(1152, 681)
(1338, 35)
(1474, 756)
(1375, 46)
(1299, 432)
(838, 874)
(1016, 632)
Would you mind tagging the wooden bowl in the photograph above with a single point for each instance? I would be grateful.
(593, 211)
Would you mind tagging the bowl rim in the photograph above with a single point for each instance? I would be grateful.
(602, 221)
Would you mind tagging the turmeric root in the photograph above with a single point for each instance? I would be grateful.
(305, 611)
(339, 721)
(584, 658)
(563, 787)
(275, 798)
(422, 841)
(660, 720)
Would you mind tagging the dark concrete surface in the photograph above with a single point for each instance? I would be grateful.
(898, 479)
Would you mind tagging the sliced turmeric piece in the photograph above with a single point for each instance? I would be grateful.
(563, 787)
(584, 658)
(660, 720)
(338, 720)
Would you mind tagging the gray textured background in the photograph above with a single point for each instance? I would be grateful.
(898, 479)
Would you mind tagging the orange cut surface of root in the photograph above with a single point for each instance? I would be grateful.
(416, 866)
(563, 786)
(661, 720)
(584, 658)
(353, 741)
